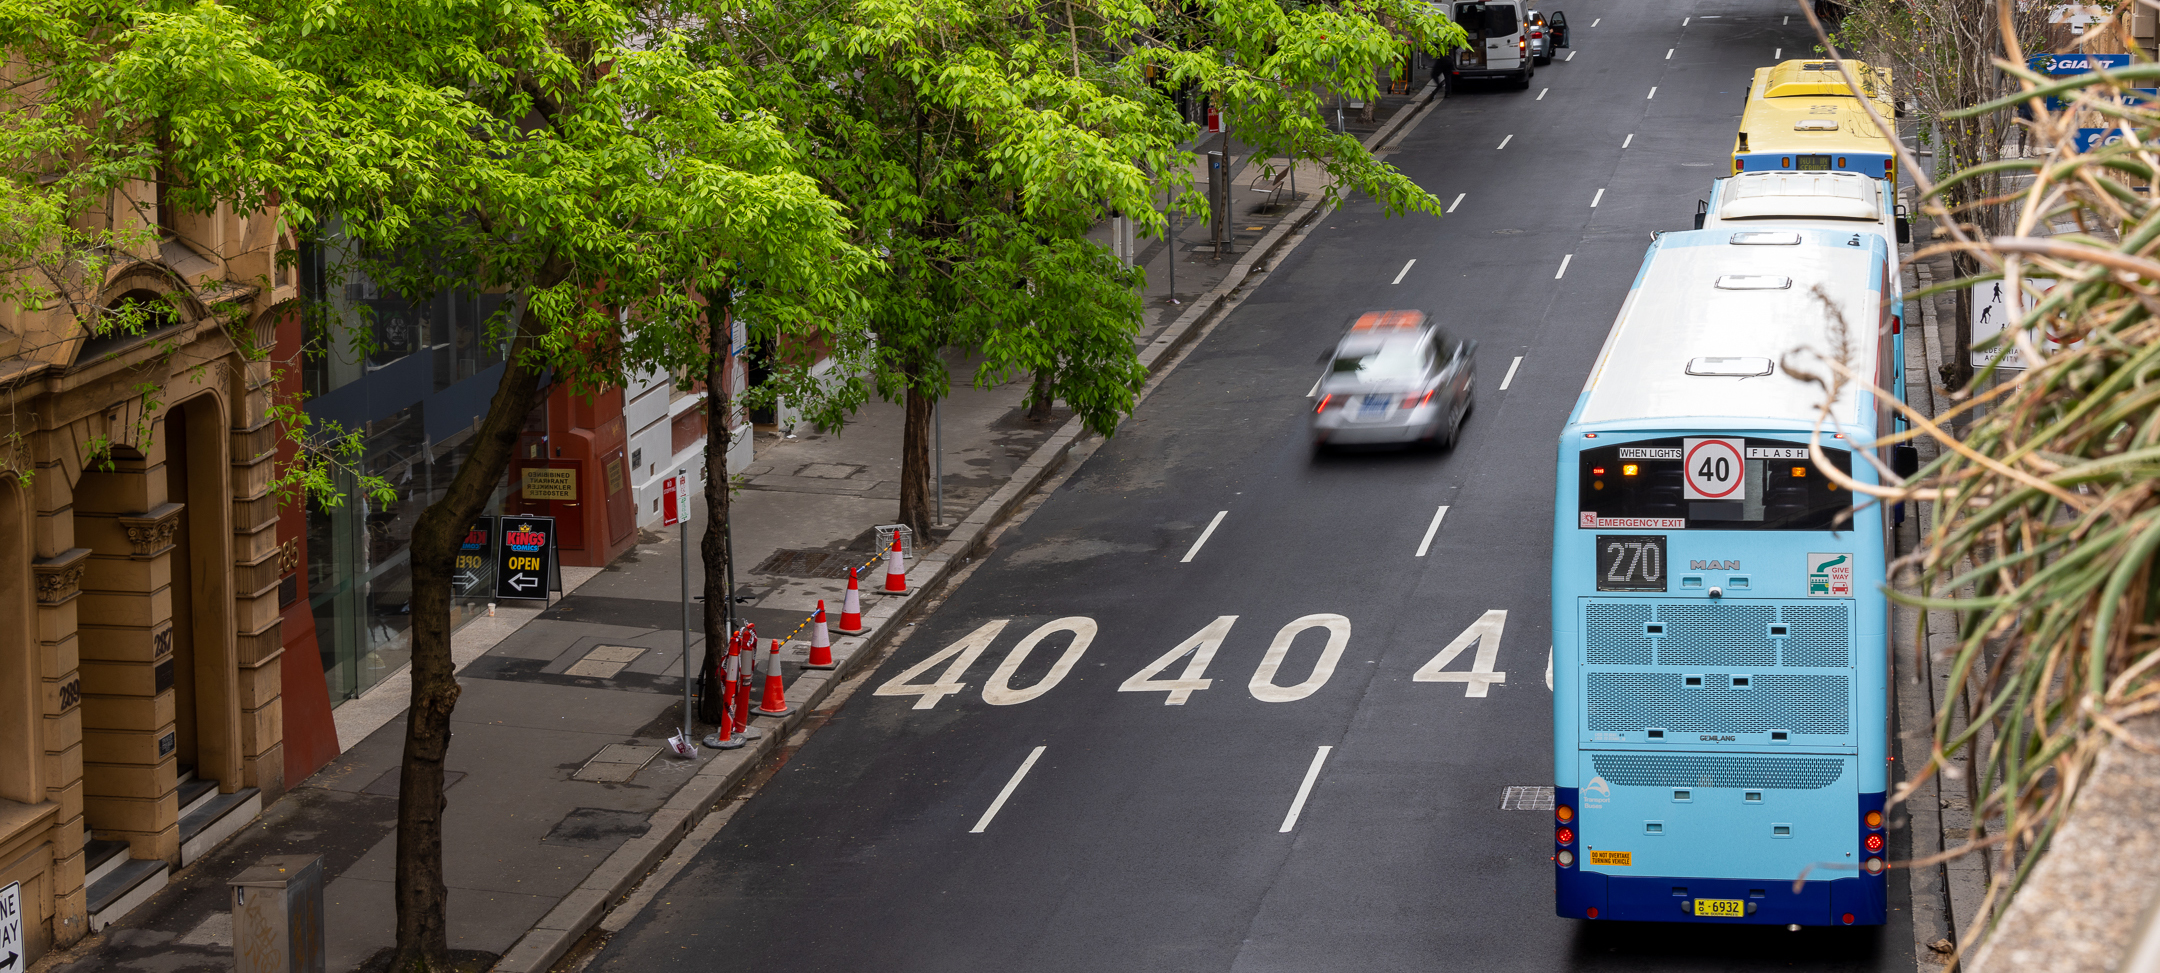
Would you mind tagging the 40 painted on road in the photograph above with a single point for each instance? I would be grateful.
(1197, 652)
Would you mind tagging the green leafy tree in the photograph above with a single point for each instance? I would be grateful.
(974, 142)
(567, 154)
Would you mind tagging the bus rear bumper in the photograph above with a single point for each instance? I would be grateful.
(1634, 898)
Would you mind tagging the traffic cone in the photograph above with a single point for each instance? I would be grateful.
(820, 642)
(726, 737)
(743, 669)
(895, 569)
(775, 702)
(851, 609)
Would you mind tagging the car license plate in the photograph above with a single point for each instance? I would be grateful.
(1720, 907)
(1374, 406)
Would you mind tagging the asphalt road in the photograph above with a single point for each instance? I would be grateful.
(1146, 836)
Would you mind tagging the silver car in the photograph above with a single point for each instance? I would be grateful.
(1394, 377)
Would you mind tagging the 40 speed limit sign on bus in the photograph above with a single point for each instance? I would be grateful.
(1714, 470)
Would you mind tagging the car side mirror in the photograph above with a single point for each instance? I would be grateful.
(1904, 461)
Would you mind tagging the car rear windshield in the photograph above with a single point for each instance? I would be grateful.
(1645, 483)
(1492, 20)
(1400, 360)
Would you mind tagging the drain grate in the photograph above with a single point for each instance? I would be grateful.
(1527, 798)
(812, 564)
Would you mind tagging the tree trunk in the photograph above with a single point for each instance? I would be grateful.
(423, 944)
(915, 455)
(719, 591)
(1957, 345)
(1040, 401)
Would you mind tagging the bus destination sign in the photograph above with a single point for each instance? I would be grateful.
(521, 566)
(1631, 562)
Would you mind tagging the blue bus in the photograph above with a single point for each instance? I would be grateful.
(1720, 679)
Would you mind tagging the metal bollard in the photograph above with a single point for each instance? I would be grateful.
(277, 910)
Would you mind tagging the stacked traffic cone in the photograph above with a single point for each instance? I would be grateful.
(895, 569)
(851, 609)
(775, 701)
(820, 642)
(742, 699)
(726, 737)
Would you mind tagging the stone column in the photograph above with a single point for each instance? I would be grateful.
(126, 638)
(258, 564)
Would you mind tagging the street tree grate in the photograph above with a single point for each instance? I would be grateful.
(1527, 798)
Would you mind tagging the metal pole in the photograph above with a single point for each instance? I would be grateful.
(937, 427)
(682, 527)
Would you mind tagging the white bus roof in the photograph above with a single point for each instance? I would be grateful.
(1702, 295)
(1801, 195)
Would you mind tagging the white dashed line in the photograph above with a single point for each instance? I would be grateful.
(1405, 270)
(1438, 515)
(1774, 55)
(1652, 94)
(1788, 20)
(1010, 785)
(1570, 56)
(1684, 21)
(1509, 378)
(1457, 202)
(1204, 535)
(1626, 141)
(1304, 790)
(1505, 141)
(1594, 199)
(1562, 272)
(1668, 53)
(1541, 94)
(1594, 23)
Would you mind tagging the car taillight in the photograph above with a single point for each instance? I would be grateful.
(1413, 401)
(1324, 400)
(1565, 835)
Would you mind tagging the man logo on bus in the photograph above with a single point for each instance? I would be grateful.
(524, 539)
(1829, 575)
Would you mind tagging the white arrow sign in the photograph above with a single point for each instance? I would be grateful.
(468, 579)
(11, 929)
(523, 582)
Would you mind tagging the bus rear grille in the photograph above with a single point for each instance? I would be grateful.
(1701, 770)
(1624, 702)
(1707, 633)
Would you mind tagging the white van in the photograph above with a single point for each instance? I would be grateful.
(1499, 42)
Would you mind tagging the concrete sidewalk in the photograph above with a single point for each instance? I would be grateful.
(560, 798)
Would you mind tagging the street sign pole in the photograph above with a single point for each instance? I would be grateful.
(675, 511)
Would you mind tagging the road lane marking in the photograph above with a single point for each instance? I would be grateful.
(1304, 791)
(1594, 23)
(1010, 785)
(1624, 143)
(1509, 378)
(1548, 667)
(1774, 55)
(1541, 94)
(1398, 279)
(1457, 202)
(1562, 272)
(1652, 94)
(1668, 53)
(1434, 528)
(1684, 21)
(1788, 21)
(1505, 141)
(1205, 534)
(1594, 199)
(1570, 56)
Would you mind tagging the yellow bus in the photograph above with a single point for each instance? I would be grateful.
(1801, 115)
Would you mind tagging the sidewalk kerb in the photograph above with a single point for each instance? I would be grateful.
(545, 943)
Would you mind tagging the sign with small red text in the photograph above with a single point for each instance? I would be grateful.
(522, 561)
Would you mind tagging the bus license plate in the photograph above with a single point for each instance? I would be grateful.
(1720, 907)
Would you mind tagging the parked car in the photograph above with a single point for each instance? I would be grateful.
(1547, 36)
(1393, 377)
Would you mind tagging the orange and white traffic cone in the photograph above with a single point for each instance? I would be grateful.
(775, 701)
(851, 608)
(743, 669)
(895, 569)
(726, 737)
(820, 641)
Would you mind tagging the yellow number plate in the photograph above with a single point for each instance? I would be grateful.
(1720, 907)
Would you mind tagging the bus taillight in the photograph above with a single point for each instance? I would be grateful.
(1874, 819)
(1566, 858)
(1564, 813)
(1565, 835)
(1874, 844)
(1874, 866)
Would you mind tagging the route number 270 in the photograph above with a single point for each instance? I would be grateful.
(1196, 652)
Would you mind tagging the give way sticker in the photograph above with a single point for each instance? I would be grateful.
(1714, 469)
